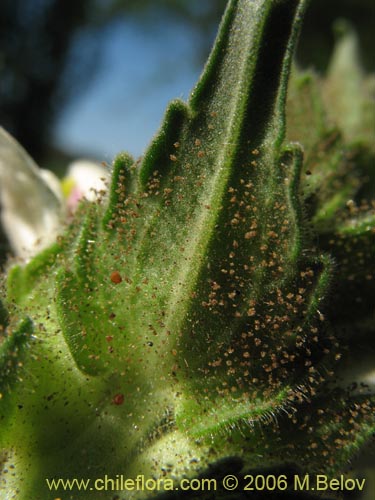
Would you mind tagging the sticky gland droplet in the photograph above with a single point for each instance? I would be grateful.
(118, 399)
(115, 277)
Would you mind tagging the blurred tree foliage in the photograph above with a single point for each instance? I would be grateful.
(38, 41)
(35, 38)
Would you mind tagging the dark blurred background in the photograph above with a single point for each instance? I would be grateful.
(92, 77)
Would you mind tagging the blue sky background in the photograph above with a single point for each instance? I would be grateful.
(141, 67)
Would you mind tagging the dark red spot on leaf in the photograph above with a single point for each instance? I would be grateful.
(118, 399)
(116, 277)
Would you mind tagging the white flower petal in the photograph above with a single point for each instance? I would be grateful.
(32, 211)
(53, 183)
(89, 178)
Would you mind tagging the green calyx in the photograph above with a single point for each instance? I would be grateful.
(189, 316)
